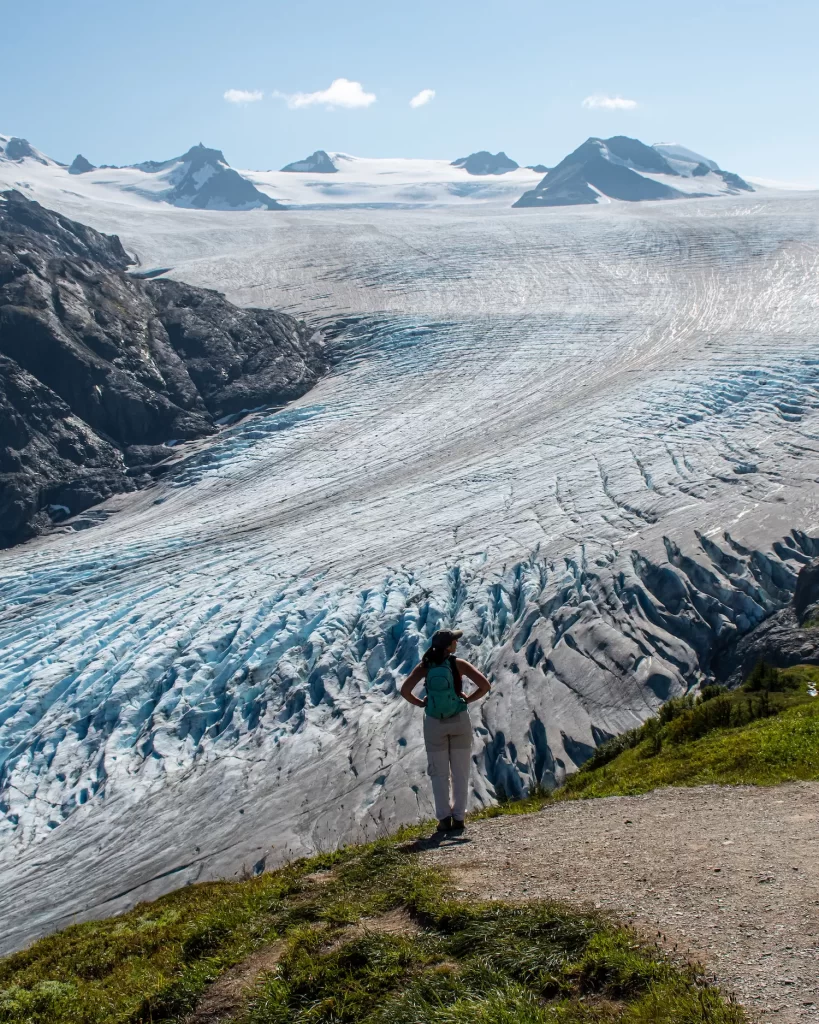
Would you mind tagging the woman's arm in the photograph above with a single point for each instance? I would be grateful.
(412, 680)
(476, 677)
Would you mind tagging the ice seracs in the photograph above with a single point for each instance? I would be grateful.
(626, 169)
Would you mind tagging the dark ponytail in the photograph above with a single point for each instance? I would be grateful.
(432, 657)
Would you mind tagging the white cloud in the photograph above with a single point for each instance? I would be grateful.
(608, 103)
(423, 97)
(243, 96)
(342, 93)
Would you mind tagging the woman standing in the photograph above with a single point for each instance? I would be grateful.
(447, 727)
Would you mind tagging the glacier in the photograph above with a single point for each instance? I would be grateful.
(587, 437)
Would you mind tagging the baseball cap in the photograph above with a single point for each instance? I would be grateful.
(442, 638)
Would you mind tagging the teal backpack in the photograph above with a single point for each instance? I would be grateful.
(443, 699)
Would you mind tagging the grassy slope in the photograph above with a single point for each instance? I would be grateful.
(780, 748)
(471, 962)
(468, 962)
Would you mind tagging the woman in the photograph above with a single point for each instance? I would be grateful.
(447, 728)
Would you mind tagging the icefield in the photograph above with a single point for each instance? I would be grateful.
(587, 437)
(358, 182)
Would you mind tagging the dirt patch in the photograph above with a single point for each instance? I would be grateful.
(727, 876)
(319, 877)
(396, 922)
(225, 996)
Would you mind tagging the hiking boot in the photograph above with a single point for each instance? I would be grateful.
(457, 825)
(444, 825)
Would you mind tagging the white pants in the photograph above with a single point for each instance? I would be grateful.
(449, 752)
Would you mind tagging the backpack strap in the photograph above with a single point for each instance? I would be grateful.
(456, 675)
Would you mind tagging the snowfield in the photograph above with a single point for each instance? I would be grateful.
(588, 437)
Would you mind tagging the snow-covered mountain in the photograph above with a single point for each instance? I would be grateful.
(202, 179)
(317, 163)
(597, 172)
(18, 151)
(199, 179)
(626, 169)
(484, 162)
(587, 439)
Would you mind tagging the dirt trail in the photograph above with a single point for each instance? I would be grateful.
(226, 996)
(728, 875)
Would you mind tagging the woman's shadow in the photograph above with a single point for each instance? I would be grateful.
(433, 842)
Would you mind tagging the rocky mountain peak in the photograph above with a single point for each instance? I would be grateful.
(484, 162)
(203, 179)
(319, 162)
(80, 165)
(20, 149)
(624, 168)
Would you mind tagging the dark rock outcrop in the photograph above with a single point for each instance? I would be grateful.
(779, 641)
(735, 182)
(484, 162)
(540, 168)
(806, 595)
(51, 462)
(789, 637)
(80, 165)
(317, 163)
(19, 149)
(100, 369)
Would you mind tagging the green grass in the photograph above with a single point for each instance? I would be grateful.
(465, 963)
(763, 734)
(479, 962)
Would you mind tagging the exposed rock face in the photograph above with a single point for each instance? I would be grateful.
(806, 596)
(783, 639)
(621, 168)
(779, 641)
(19, 149)
(317, 163)
(484, 162)
(50, 460)
(236, 358)
(735, 181)
(540, 168)
(99, 368)
(80, 165)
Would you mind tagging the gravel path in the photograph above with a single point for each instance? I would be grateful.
(729, 876)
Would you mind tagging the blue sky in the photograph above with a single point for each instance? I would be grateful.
(121, 82)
